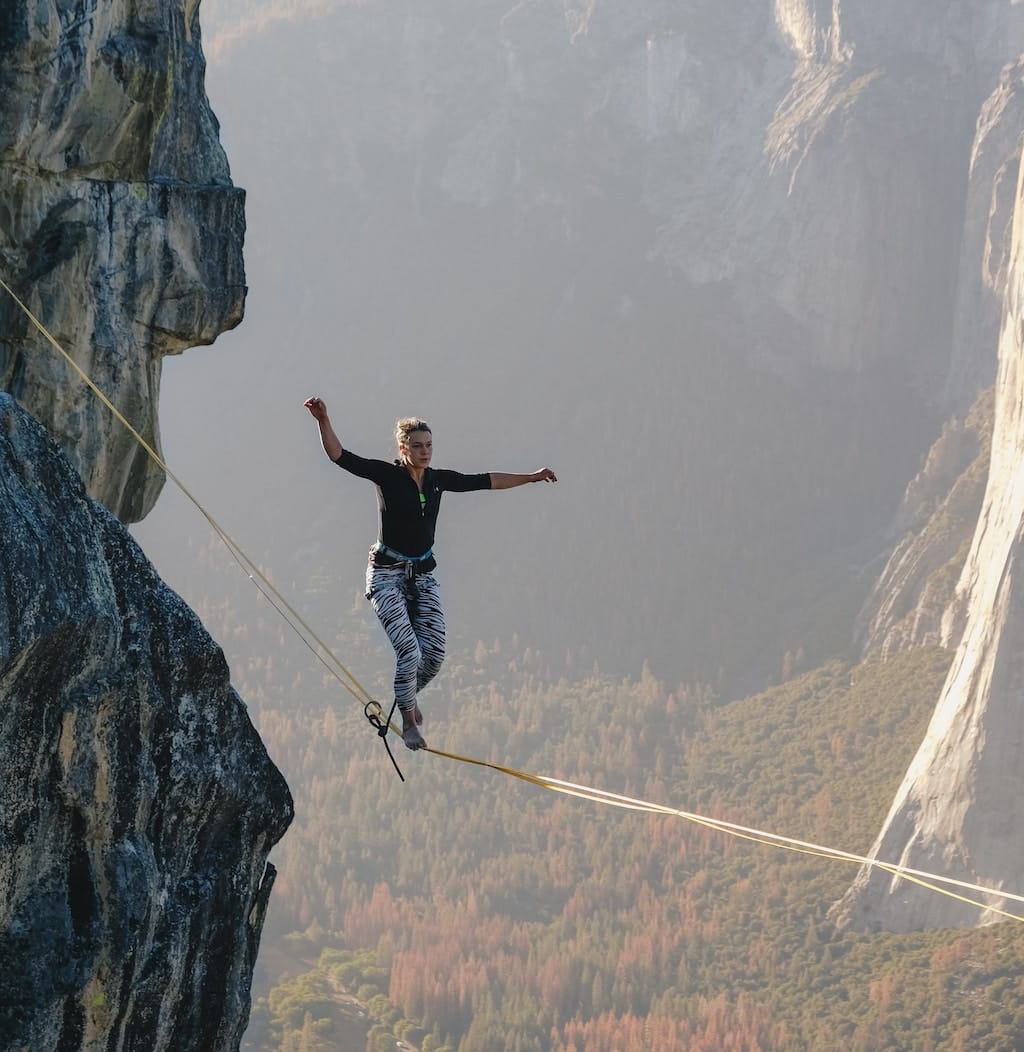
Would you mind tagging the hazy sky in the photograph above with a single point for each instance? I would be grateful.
(477, 222)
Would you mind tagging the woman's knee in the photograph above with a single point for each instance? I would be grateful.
(431, 661)
(409, 655)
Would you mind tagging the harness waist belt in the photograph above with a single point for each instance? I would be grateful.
(383, 549)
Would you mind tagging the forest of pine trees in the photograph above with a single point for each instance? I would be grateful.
(464, 911)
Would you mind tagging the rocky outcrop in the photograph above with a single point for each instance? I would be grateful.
(119, 226)
(958, 811)
(873, 137)
(987, 236)
(138, 804)
(913, 602)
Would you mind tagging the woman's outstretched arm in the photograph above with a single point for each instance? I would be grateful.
(508, 479)
(331, 442)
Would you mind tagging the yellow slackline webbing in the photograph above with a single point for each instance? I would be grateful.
(931, 881)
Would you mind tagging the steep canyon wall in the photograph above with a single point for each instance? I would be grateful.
(138, 804)
(958, 809)
(840, 184)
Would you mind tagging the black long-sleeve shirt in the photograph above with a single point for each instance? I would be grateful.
(407, 514)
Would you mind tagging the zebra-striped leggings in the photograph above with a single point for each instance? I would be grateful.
(411, 613)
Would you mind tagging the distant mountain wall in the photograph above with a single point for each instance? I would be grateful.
(958, 811)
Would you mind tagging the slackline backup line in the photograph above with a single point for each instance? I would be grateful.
(932, 881)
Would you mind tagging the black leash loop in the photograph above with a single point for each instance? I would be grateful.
(375, 714)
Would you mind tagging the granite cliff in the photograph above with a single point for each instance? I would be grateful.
(119, 225)
(957, 811)
(950, 577)
(137, 804)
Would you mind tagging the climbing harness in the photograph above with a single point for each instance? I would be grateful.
(410, 562)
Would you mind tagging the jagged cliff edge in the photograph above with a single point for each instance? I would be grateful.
(138, 804)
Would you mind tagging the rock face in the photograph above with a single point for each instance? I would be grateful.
(138, 803)
(987, 235)
(119, 226)
(912, 602)
(958, 811)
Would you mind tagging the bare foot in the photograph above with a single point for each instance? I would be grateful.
(410, 732)
(417, 715)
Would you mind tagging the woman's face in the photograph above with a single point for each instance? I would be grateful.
(418, 449)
